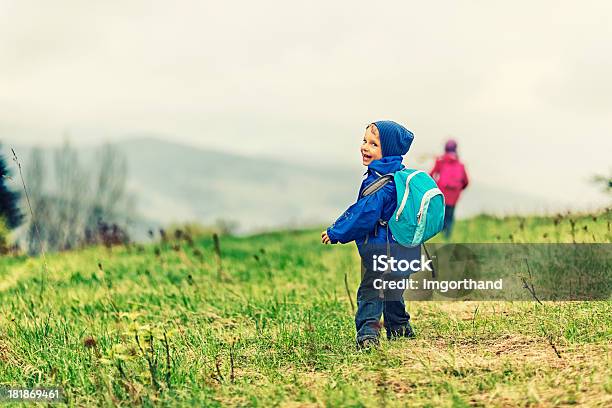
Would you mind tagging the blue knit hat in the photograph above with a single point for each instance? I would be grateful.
(395, 140)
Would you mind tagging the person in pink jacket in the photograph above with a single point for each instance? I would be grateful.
(452, 179)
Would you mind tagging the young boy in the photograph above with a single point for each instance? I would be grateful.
(365, 222)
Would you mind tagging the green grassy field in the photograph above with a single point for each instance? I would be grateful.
(160, 325)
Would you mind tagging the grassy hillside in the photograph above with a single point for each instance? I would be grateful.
(161, 325)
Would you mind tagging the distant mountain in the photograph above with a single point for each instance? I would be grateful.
(174, 183)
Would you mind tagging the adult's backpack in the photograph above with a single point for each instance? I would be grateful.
(420, 206)
(452, 175)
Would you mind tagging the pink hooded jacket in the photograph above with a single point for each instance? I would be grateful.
(451, 177)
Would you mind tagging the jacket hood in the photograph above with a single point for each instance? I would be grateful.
(449, 157)
(389, 164)
(395, 140)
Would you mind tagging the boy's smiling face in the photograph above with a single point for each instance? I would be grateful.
(370, 148)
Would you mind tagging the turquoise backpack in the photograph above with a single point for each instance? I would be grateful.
(420, 206)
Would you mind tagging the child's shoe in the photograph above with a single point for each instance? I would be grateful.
(366, 343)
(405, 331)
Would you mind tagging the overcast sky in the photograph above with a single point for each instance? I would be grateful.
(524, 86)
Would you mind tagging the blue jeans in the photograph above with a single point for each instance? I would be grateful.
(449, 217)
(371, 307)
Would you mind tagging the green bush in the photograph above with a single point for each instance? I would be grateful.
(4, 237)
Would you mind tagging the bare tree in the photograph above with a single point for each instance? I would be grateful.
(35, 179)
(110, 202)
(73, 187)
(81, 205)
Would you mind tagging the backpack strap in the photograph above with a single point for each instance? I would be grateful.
(380, 182)
(377, 184)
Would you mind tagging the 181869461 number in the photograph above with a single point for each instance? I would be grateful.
(38, 394)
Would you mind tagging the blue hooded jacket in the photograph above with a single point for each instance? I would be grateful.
(360, 222)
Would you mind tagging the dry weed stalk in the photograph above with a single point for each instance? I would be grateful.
(44, 270)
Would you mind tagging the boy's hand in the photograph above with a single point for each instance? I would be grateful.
(325, 238)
